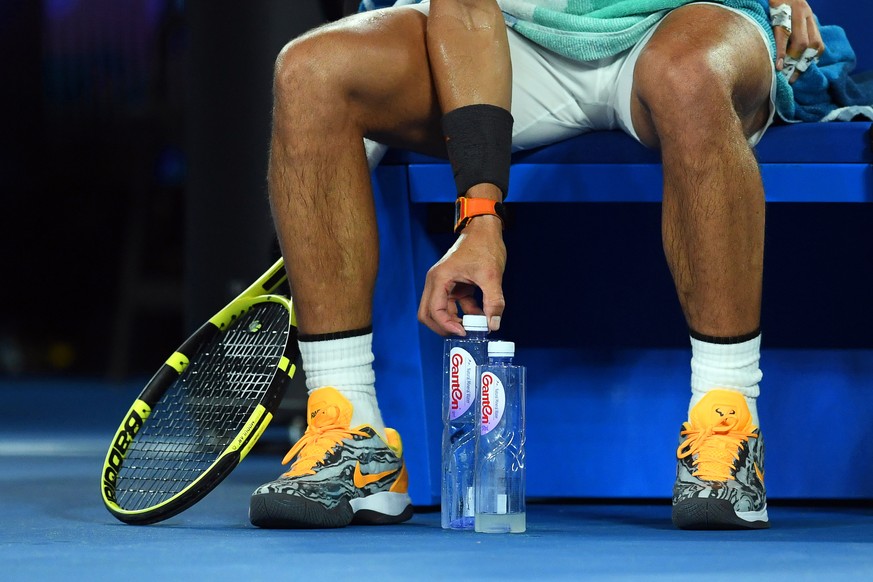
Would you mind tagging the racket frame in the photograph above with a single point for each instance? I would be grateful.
(262, 290)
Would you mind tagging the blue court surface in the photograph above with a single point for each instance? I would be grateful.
(53, 436)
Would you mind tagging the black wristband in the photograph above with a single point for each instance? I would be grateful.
(479, 144)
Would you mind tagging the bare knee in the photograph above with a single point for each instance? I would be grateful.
(366, 72)
(308, 73)
(684, 95)
(700, 91)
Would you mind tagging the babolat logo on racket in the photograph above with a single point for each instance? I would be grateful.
(128, 429)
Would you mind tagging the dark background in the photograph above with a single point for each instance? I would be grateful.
(133, 153)
(133, 148)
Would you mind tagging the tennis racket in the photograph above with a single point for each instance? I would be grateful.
(205, 408)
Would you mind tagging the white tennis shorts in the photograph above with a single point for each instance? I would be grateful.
(555, 98)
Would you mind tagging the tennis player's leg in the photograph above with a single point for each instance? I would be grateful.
(702, 88)
(374, 83)
(365, 76)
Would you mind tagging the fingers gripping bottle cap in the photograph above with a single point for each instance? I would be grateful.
(475, 323)
(498, 349)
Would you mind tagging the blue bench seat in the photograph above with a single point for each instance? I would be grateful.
(608, 376)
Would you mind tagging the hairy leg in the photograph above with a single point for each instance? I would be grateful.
(701, 87)
(366, 75)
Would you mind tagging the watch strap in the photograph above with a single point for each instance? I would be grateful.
(468, 208)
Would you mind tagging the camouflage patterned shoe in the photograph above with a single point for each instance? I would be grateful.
(340, 475)
(720, 473)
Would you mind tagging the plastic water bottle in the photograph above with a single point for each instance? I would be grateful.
(462, 356)
(500, 470)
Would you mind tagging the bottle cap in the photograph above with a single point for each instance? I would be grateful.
(501, 349)
(475, 323)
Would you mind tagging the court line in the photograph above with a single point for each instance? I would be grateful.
(51, 447)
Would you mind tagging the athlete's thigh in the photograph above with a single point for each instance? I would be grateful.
(375, 64)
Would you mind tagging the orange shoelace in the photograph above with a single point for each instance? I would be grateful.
(314, 444)
(716, 448)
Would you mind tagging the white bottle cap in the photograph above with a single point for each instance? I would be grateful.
(501, 349)
(475, 323)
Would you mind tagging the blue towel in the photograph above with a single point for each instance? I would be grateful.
(828, 91)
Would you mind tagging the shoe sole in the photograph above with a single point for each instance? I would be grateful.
(282, 511)
(713, 514)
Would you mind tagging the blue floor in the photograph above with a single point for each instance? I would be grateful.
(53, 526)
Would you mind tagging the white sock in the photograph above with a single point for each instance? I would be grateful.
(347, 365)
(726, 366)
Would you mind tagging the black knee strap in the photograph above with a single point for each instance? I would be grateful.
(479, 144)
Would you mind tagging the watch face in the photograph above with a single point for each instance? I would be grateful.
(458, 225)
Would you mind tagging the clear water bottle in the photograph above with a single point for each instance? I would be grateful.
(462, 356)
(500, 470)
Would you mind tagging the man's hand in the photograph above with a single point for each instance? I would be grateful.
(800, 41)
(477, 259)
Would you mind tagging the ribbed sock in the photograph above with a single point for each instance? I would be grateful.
(726, 363)
(344, 361)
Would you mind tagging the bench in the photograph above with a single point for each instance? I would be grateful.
(608, 383)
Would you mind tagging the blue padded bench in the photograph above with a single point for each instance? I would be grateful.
(608, 375)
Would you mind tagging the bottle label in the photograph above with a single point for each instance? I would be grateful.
(493, 397)
(463, 382)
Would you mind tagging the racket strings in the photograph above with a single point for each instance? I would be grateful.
(204, 409)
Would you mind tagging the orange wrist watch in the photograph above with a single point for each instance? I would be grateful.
(468, 208)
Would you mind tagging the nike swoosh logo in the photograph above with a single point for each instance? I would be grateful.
(362, 480)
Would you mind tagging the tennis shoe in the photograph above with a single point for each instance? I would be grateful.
(339, 474)
(720, 469)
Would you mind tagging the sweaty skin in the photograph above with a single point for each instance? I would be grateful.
(700, 89)
(469, 55)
